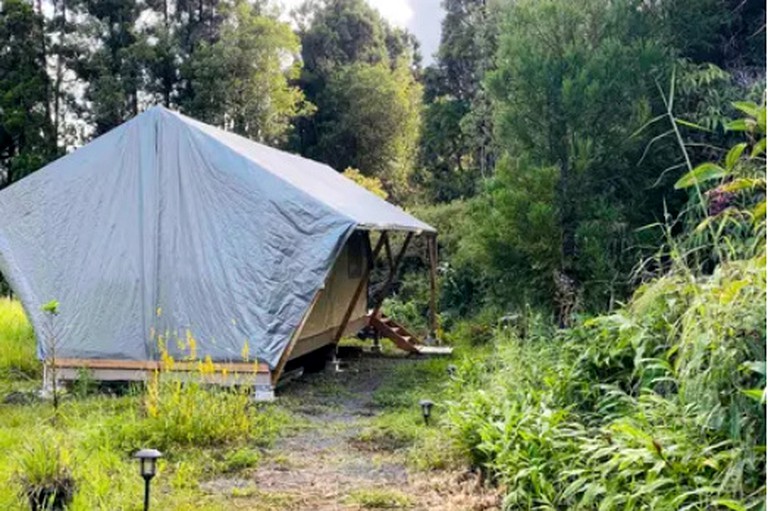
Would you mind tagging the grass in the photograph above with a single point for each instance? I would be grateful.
(93, 430)
(378, 498)
(203, 432)
(18, 356)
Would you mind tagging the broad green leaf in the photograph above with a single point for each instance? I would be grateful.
(704, 172)
(743, 183)
(730, 504)
(758, 149)
(756, 394)
(758, 212)
(740, 125)
(756, 366)
(747, 107)
(734, 154)
(732, 290)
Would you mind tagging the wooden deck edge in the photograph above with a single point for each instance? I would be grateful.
(155, 365)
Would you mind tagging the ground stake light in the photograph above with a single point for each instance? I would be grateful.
(426, 409)
(147, 468)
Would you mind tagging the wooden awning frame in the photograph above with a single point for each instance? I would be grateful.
(394, 263)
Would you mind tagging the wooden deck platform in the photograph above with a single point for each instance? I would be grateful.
(222, 373)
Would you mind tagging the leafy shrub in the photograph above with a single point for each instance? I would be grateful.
(471, 332)
(407, 313)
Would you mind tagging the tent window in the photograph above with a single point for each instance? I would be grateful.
(355, 256)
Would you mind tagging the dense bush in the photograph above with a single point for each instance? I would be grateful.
(660, 405)
(654, 406)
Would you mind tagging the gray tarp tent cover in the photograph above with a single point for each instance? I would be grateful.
(168, 225)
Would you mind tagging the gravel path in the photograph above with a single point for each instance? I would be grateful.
(322, 467)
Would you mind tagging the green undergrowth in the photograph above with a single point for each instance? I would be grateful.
(399, 425)
(658, 405)
(203, 432)
(18, 357)
(378, 498)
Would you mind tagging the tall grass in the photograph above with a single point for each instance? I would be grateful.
(175, 415)
(18, 355)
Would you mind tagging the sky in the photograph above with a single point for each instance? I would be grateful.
(421, 17)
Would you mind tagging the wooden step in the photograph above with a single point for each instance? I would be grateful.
(435, 350)
(404, 339)
(391, 331)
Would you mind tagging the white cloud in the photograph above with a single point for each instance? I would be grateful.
(397, 12)
(402, 13)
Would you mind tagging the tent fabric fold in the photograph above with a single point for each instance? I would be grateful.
(169, 233)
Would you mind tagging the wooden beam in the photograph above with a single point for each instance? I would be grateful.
(363, 284)
(432, 255)
(391, 277)
(156, 365)
(388, 248)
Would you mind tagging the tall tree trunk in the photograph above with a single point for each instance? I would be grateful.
(59, 69)
(44, 50)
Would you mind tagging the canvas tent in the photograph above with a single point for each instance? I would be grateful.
(166, 226)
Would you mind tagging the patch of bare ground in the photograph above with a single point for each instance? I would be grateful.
(322, 465)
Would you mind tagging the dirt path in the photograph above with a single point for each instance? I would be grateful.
(324, 466)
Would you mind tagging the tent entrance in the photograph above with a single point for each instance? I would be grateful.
(345, 296)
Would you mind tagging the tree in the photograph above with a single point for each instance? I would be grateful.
(343, 32)
(514, 224)
(456, 156)
(111, 62)
(575, 80)
(445, 170)
(371, 123)
(27, 136)
(360, 73)
(240, 82)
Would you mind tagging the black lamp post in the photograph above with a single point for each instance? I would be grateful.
(426, 409)
(147, 468)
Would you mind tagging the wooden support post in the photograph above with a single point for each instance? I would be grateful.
(391, 277)
(432, 254)
(363, 284)
(388, 250)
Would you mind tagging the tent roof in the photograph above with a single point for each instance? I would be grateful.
(316, 179)
(168, 227)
